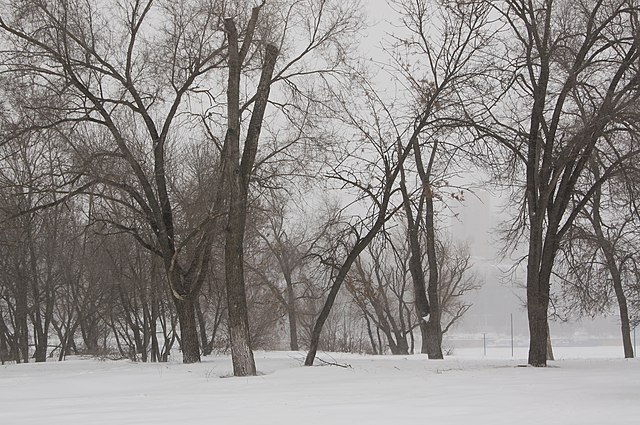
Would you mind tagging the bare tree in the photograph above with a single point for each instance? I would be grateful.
(438, 68)
(566, 80)
(382, 288)
(599, 253)
(123, 92)
(282, 257)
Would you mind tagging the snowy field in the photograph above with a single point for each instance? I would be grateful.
(586, 386)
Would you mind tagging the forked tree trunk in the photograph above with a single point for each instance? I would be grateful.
(237, 174)
(423, 309)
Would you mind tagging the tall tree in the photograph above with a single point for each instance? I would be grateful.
(599, 253)
(123, 91)
(437, 69)
(567, 80)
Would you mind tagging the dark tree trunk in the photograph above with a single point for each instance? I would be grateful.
(423, 308)
(608, 250)
(623, 309)
(291, 312)
(539, 267)
(293, 329)
(433, 327)
(188, 330)
(537, 305)
(41, 345)
(21, 331)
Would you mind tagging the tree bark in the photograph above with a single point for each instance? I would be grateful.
(237, 173)
(433, 327)
(188, 330)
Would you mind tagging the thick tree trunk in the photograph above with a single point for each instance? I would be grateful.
(237, 174)
(41, 342)
(241, 354)
(536, 307)
(434, 327)
(539, 269)
(537, 315)
(188, 330)
(433, 343)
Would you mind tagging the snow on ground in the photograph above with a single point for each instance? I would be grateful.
(466, 388)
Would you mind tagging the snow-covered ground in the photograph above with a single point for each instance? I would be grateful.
(587, 386)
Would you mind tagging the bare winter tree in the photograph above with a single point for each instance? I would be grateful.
(567, 79)
(123, 91)
(599, 253)
(382, 287)
(438, 68)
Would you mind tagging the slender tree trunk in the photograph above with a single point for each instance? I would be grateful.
(21, 332)
(202, 327)
(369, 333)
(291, 312)
(415, 266)
(623, 309)
(608, 249)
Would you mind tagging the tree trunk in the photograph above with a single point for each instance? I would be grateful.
(623, 309)
(615, 271)
(41, 344)
(241, 354)
(549, 346)
(237, 173)
(188, 330)
(293, 329)
(21, 332)
(537, 308)
(536, 311)
(369, 333)
(434, 327)
(291, 312)
(415, 266)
